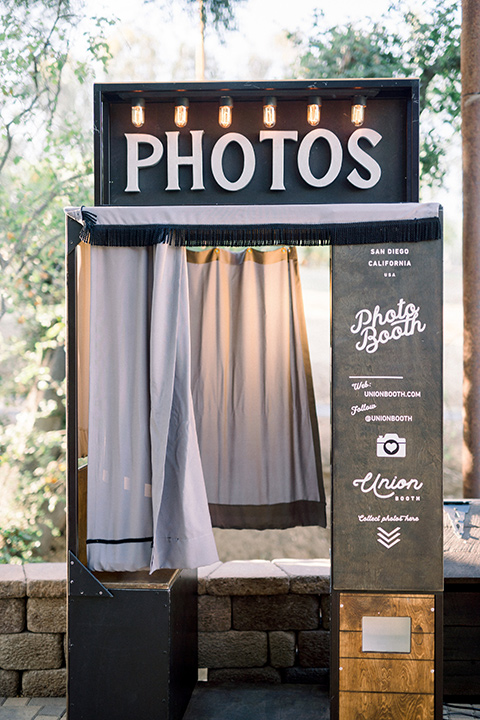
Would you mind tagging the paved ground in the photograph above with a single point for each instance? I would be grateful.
(30, 708)
(226, 702)
(458, 711)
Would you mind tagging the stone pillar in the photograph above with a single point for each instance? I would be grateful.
(470, 68)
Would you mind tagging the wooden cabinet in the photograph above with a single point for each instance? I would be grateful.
(363, 706)
(386, 685)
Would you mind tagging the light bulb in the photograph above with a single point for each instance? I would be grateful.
(358, 110)
(225, 111)
(269, 112)
(138, 112)
(313, 110)
(181, 113)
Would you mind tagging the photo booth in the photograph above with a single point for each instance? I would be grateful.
(190, 395)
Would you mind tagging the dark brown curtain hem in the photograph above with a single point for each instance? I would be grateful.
(269, 517)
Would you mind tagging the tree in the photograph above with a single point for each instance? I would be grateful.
(218, 14)
(423, 43)
(44, 165)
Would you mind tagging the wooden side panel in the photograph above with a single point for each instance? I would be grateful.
(461, 668)
(161, 579)
(387, 676)
(423, 647)
(82, 514)
(419, 607)
(358, 706)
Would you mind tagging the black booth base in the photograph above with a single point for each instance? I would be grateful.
(132, 650)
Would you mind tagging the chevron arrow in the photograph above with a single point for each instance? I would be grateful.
(388, 539)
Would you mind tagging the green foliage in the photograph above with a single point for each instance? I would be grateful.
(44, 165)
(423, 43)
(37, 459)
(17, 544)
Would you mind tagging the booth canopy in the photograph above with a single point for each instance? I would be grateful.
(258, 225)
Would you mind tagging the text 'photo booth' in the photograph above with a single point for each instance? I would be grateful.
(190, 396)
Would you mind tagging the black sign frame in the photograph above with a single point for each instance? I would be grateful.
(391, 104)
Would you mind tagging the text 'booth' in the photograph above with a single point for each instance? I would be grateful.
(191, 400)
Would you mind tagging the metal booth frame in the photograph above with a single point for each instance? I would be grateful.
(176, 591)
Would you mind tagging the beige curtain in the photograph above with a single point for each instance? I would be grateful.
(83, 343)
(252, 389)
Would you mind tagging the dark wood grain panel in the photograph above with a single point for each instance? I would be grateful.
(461, 678)
(386, 676)
(423, 647)
(462, 608)
(354, 606)
(462, 643)
(376, 706)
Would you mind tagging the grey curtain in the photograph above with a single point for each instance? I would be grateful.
(252, 389)
(146, 494)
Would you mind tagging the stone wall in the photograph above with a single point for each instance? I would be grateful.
(32, 629)
(258, 621)
(265, 621)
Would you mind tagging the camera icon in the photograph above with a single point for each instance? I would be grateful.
(391, 445)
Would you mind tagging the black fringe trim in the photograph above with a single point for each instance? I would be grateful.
(391, 231)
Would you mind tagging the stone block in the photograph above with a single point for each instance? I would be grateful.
(46, 579)
(31, 651)
(214, 613)
(325, 604)
(282, 648)
(314, 649)
(307, 576)
(245, 675)
(45, 683)
(12, 581)
(232, 649)
(306, 676)
(12, 615)
(248, 577)
(278, 612)
(203, 575)
(47, 615)
(9, 683)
